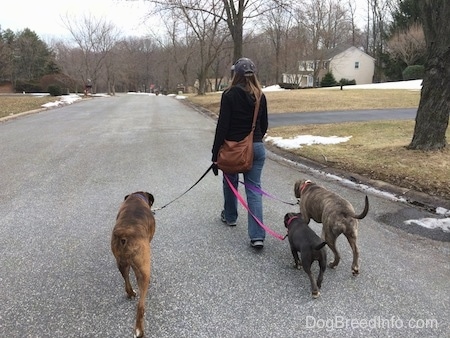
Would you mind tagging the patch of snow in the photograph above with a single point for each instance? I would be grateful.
(298, 141)
(63, 100)
(431, 223)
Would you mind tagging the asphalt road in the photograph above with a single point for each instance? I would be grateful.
(276, 120)
(64, 173)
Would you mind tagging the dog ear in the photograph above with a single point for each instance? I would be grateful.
(150, 197)
(297, 186)
(320, 246)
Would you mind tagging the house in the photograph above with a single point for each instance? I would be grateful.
(295, 81)
(345, 62)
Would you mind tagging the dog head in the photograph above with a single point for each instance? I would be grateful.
(291, 216)
(144, 195)
(299, 186)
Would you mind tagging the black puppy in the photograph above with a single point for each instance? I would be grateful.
(311, 247)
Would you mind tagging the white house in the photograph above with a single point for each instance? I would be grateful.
(345, 62)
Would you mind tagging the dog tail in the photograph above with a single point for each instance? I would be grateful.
(120, 239)
(320, 246)
(365, 211)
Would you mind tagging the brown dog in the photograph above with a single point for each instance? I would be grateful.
(335, 213)
(130, 244)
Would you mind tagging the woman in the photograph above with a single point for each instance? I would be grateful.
(235, 120)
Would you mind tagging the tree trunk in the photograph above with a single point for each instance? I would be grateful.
(235, 23)
(434, 108)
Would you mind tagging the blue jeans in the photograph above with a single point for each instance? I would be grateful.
(254, 199)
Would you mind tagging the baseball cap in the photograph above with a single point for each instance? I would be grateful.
(244, 66)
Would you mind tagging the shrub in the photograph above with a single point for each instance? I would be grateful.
(328, 80)
(54, 90)
(66, 83)
(28, 87)
(414, 72)
(347, 82)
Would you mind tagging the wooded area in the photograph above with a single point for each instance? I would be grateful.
(203, 38)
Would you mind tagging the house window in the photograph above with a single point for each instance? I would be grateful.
(357, 65)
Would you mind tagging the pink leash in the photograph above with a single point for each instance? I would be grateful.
(262, 192)
(244, 204)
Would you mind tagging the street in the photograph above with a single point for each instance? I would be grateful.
(64, 173)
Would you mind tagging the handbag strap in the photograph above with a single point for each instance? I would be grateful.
(255, 114)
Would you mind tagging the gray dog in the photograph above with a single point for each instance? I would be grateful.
(311, 247)
(335, 213)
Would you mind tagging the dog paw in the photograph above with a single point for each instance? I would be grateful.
(131, 295)
(332, 265)
(355, 272)
(315, 294)
(138, 334)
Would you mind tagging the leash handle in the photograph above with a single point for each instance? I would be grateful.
(256, 189)
(244, 204)
(204, 174)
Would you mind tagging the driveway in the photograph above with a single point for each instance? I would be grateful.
(277, 120)
(64, 173)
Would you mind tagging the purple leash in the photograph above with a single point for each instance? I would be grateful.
(262, 192)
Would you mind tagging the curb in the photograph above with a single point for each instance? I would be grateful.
(14, 116)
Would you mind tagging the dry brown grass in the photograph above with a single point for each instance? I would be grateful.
(310, 100)
(376, 150)
(11, 105)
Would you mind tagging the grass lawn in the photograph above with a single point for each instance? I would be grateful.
(11, 105)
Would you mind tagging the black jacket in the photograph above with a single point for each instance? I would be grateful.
(235, 118)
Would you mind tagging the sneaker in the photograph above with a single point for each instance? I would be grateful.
(258, 244)
(223, 219)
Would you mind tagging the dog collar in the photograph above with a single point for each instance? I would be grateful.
(142, 197)
(304, 185)
(291, 219)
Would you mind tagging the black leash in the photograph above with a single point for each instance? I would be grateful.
(207, 171)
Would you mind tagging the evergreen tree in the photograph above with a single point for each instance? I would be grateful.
(328, 80)
(32, 56)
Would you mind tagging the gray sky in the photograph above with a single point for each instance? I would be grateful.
(44, 16)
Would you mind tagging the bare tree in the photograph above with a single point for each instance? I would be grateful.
(234, 13)
(336, 25)
(313, 18)
(180, 46)
(95, 38)
(279, 22)
(378, 17)
(408, 45)
(352, 10)
(433, 113)
(207, 28)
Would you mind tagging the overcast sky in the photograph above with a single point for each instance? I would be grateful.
(44, 16)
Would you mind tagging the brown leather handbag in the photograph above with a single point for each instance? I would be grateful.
(237, 156)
